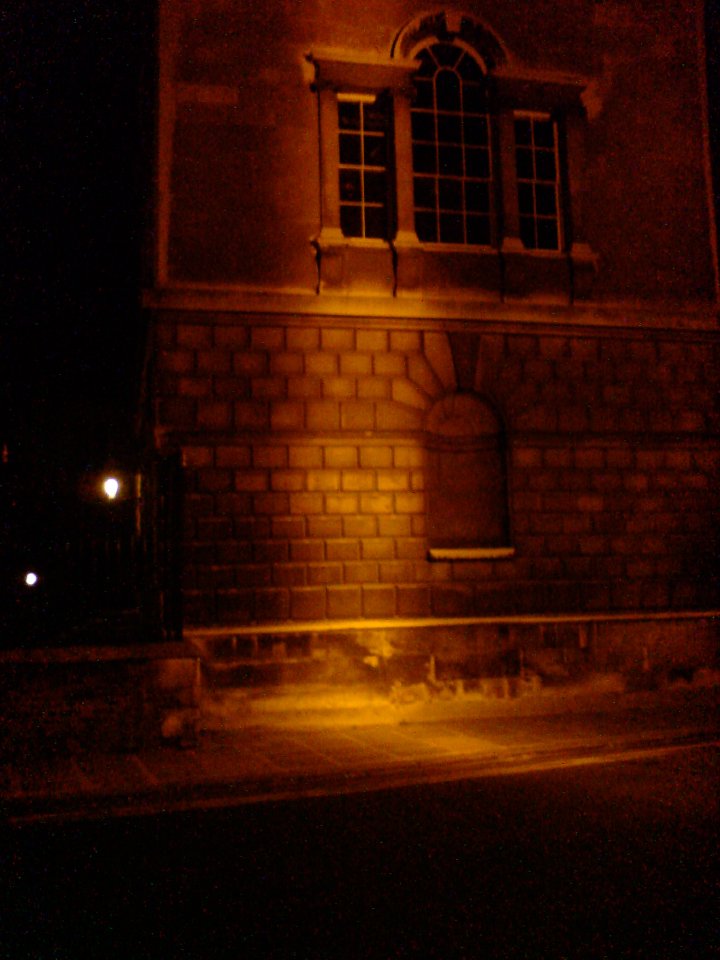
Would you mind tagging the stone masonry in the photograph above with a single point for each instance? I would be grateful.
(304, 451)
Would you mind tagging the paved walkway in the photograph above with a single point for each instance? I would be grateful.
(298, 754)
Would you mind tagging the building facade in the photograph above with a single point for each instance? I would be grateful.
(434, 313)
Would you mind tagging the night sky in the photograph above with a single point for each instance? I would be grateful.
(78, 132)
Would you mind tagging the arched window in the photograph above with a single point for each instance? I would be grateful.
(452, 148)
(467, 508)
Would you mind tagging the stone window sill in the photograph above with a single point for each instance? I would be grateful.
(470, 553)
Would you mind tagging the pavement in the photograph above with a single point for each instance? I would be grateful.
(259, 747)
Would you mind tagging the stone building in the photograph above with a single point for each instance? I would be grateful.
(433, 322)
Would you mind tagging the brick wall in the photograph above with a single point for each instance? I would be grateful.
(304, 453)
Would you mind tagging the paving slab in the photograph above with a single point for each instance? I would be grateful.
(256, 762)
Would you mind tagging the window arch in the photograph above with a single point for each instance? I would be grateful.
(453, 168)
(467, 504)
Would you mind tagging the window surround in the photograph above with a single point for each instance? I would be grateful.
(335, 76)
(402, 265)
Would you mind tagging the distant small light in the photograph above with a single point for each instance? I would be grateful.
(111, 487)
(31, 579)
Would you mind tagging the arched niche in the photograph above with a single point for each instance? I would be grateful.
(467, 502)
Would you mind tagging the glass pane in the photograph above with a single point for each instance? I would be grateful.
(545, 199)
(527, 232)
(375, 155)
(469, 69)
(426, 227)
(446, 54)
(450, 160)
(349, 148)
(350, 185)
(474, 98)
(423, 158)
(476, 131)
(424, 94)
(451, 228)
(450, 192)
(423, 126)
(477, 162)
(351, 221)
(545, 165)
(524, 164)
(478, 231)
(523, 132)
(547, 235)
(375, 117)
(375, 187)
(447, 87)
(349, 116)
(525, 198)
(449, 128)
(477, 197)
(544, 133)
(424, 192)
(375, 222)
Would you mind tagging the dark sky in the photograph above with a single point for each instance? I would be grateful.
(78, 128)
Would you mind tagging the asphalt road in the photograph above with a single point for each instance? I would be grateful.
(614, 860)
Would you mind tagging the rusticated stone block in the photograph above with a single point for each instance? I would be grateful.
(359, 526)
(452, 600)
(287, 415)
(214, 414)
(357, 415)
(325, 527)
(322, 415)
(343, 549)
(357, 480)
(179, 412)
(413, 600)
(272, 604)
(362, 571)
(232, 336)
(250, 364)
(289, 574)
(307, 550)
(307, 603)
(235, 606)
(194, 336)
(344, 601)
(338, 340)
(268, 388)
(271, 339)
(251, 416)
(378, 601)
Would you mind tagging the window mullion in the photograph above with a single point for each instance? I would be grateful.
(508, 173)
(405, 212)
(330, 164)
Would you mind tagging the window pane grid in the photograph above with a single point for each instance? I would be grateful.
(452, 160)
(538, 186)
(363, 169)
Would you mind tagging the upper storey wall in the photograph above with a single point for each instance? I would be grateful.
(239, 175)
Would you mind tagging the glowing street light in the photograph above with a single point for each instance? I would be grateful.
(111, 487)
(31, 578)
